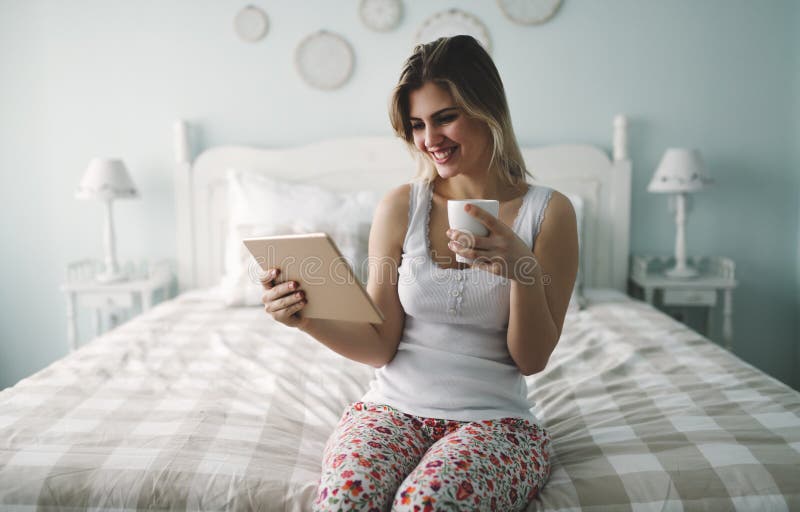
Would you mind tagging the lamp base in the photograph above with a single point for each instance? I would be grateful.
(681, 273)
(110, 278)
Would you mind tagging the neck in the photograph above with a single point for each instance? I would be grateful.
(465, 186)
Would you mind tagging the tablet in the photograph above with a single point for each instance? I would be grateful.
(313, 260)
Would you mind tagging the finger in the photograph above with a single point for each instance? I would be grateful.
(268, 280)
(466, 252)
(284, 315)
(268, 277)
(469, 240)
(278, 290)
(284, 301)
(274, 306)
(486, 218)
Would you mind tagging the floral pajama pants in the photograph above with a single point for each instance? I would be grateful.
(380, 458)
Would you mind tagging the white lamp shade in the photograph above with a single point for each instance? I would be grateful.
(680, 170)
(106, 178)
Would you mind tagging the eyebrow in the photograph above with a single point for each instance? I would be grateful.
(435, 113)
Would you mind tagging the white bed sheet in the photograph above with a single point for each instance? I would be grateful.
(194, 405)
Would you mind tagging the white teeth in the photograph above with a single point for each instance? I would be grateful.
(440, 155)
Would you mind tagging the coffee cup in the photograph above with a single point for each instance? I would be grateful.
(465, 222)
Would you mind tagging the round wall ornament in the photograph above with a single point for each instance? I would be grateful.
(380, 15)
(529, 12)
(453, 22)
(324, 60)
(251, 23)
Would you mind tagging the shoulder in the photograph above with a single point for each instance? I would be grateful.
(558, 219)
(398, 197)
(559, 205)
(391, 213)
(396, 203)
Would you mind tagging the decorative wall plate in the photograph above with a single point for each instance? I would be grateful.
(529, 12)
(380, 15)
(454, 22)
(251, 23)
(324, 60)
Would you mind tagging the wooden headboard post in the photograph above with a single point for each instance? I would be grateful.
(184, 219)
(621, 204)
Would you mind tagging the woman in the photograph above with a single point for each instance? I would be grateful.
(446, 424)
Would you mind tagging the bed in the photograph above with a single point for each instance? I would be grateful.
(199, 404)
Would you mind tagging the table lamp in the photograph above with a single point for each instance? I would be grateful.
(107, 179)
(680, 171)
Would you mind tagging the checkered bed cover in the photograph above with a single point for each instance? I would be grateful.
(197, 406)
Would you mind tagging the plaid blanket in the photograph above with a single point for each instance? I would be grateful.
(197, 406)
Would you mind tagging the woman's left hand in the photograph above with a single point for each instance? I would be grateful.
(502, 252)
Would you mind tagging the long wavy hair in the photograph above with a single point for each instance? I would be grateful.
(460, 65)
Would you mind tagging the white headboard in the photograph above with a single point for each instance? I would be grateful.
(380, 164)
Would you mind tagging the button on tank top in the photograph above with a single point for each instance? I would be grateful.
(453, 361)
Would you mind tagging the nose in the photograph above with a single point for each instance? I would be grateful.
(432, 137)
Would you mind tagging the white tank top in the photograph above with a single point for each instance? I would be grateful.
(453, 361)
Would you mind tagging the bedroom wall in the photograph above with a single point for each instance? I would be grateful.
(796, 145)
(109, 77)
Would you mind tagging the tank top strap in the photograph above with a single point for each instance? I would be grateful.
(532, 213)
(418, 211)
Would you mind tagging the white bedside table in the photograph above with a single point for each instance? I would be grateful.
(716, 278)
(113, 301)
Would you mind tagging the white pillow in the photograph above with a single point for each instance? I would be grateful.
(577, 300)
(261, 206)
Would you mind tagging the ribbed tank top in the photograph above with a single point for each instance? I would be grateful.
(453, 361)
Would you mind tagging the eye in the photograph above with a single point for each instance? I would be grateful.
(447, 119)
(417, 126)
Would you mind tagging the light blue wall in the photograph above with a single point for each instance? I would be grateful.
(796, 144)
(108, 77)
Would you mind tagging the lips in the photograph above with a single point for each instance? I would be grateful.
(443, 155)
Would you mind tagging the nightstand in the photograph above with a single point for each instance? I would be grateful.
(716, 278)
(113, 302)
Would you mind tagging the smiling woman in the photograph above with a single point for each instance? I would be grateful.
(449, 400)
(463, 80)
(452, 139)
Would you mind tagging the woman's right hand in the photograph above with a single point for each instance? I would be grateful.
(283, 301)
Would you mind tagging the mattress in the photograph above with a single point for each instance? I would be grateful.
(193, 405)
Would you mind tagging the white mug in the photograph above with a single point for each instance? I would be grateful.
(465, 222)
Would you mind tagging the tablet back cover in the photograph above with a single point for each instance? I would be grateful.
(332, 290)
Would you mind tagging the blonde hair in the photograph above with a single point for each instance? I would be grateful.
(460, 65)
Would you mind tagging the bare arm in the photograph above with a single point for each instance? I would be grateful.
(354, 340)
(374, 344)
(539, 301)
(541, 280)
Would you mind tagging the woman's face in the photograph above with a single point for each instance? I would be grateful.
(456, 143)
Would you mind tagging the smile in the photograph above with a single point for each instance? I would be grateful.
(444, 155)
